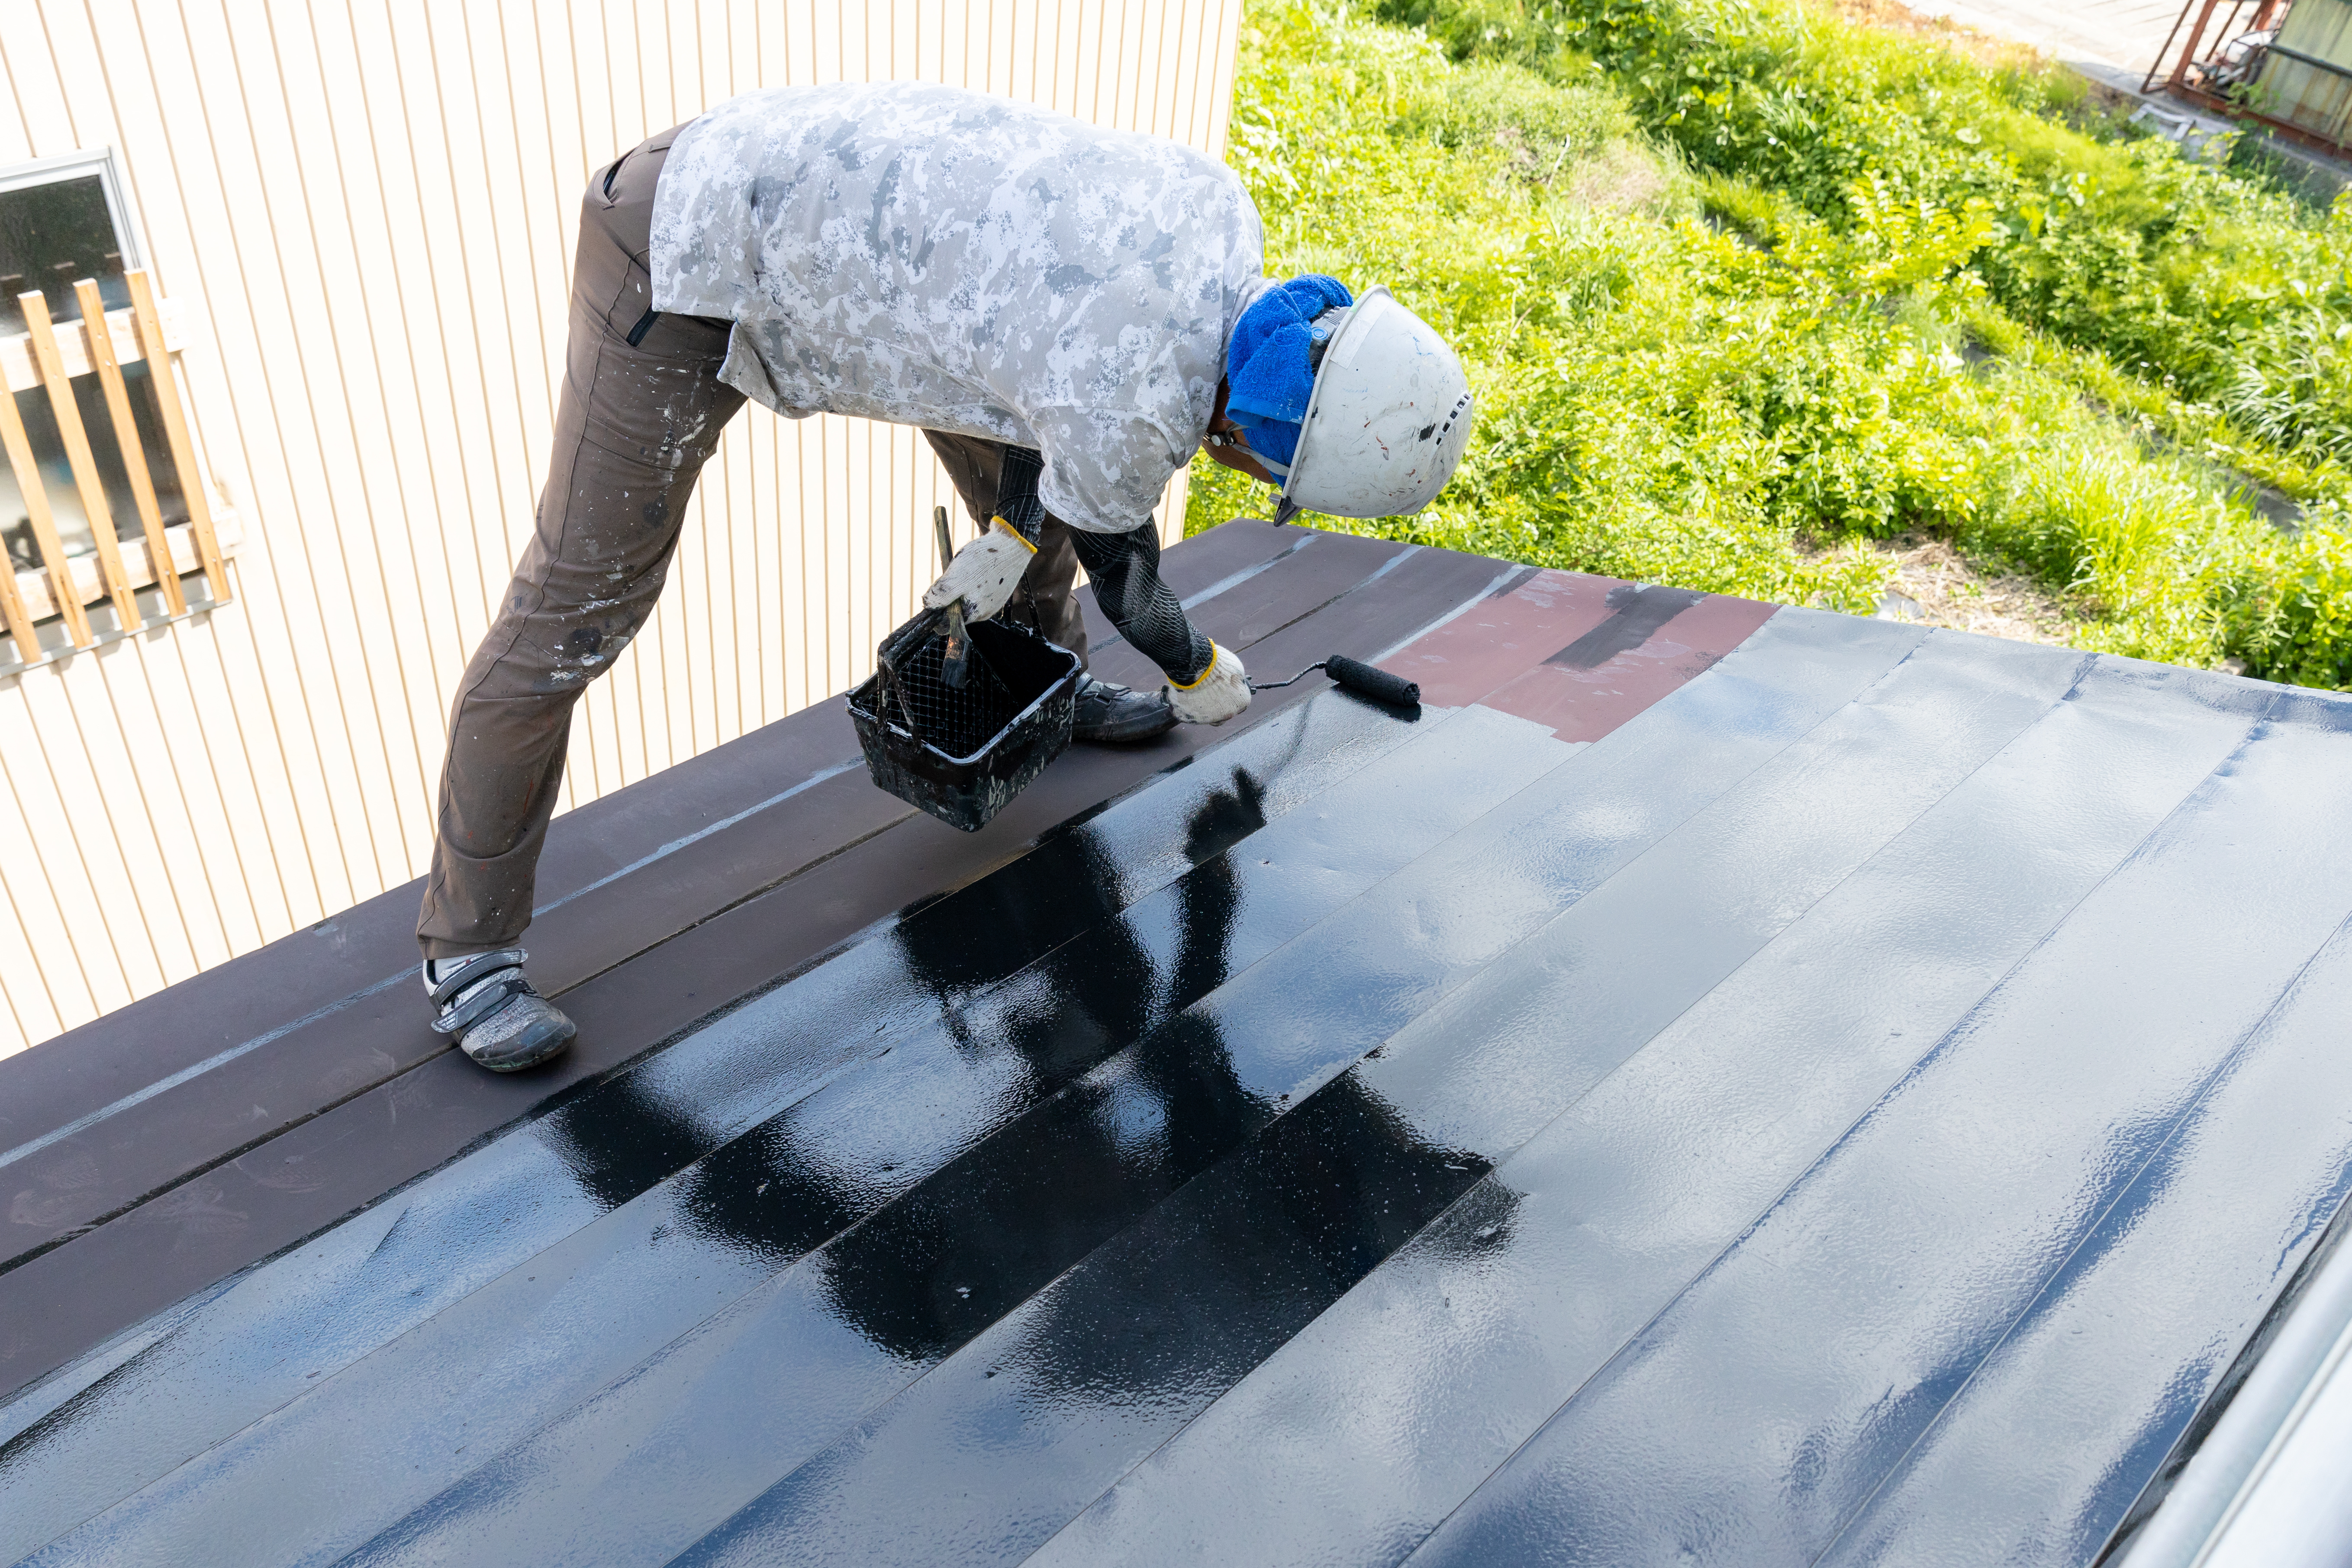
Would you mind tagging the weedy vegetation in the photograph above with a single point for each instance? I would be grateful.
(1748, 289)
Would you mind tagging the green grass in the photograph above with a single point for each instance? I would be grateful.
(1740, 287)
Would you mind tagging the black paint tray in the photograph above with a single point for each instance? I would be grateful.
(961, 755)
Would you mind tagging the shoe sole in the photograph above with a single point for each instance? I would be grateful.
(533, 1048)
(1158, 724)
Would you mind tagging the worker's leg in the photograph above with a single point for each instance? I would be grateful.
(1047, 598)
(1046, 602)
(635, 423)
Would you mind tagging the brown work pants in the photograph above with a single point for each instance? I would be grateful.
(634, 424)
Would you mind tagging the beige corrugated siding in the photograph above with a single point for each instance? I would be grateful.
(366, 211)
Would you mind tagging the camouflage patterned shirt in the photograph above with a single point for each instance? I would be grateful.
(932, 256)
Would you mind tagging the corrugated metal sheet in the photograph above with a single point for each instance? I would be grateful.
(1711, 1085)
(367, 210)
(2306, 78)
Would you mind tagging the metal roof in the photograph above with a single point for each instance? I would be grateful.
(1718, 1083)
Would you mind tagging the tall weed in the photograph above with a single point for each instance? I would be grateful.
(2220, 289)
(1725, 327)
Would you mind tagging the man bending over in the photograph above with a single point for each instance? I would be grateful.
(1064, 310)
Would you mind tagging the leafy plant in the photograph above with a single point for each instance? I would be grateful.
(1740, 288)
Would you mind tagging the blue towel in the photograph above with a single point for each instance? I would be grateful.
(1267, 374)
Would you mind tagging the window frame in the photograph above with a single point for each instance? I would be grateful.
(99, 161)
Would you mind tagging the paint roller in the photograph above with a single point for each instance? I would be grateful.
(1357, 677)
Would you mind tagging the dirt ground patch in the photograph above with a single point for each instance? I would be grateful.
(1932, 585)
(1619, 178)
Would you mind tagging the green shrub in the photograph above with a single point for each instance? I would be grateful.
(1738, 290)
(2302, 629)
(2217, 286)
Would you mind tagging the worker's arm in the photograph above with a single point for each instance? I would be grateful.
(985, 571)
(1206, 684)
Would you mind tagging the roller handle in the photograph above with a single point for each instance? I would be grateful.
(1357, 677)
(945, 539)
(1377, 684)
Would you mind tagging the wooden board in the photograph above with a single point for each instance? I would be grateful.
(19, 448)
(79, 455)
(126, 437)
(22, 375)
(175, 434)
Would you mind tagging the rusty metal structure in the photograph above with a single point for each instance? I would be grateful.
(2284, 64)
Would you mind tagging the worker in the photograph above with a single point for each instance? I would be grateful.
(1068, 313)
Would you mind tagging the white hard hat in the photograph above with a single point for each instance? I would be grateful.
(1388, 419)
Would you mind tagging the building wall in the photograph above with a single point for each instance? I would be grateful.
(366, 210)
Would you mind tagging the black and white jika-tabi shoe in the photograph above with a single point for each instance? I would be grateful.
(1111, 715)
(497, 1018)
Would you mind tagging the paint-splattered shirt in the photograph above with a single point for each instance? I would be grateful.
(932, 256)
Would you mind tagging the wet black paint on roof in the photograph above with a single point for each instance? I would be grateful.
(1707, 1087)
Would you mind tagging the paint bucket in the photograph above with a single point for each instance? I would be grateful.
(962, 754)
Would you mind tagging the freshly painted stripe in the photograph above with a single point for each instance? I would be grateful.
(2185, 1261)
(386, 1273)
(599, 1309)
(1467, 1337)
(1191, 1298)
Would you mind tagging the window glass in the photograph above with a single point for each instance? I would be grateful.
(52, 234)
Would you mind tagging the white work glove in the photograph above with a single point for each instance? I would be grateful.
(983, 572)
(1215, 695)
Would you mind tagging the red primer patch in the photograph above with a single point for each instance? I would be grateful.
(1500, 638)
(1586, 704)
